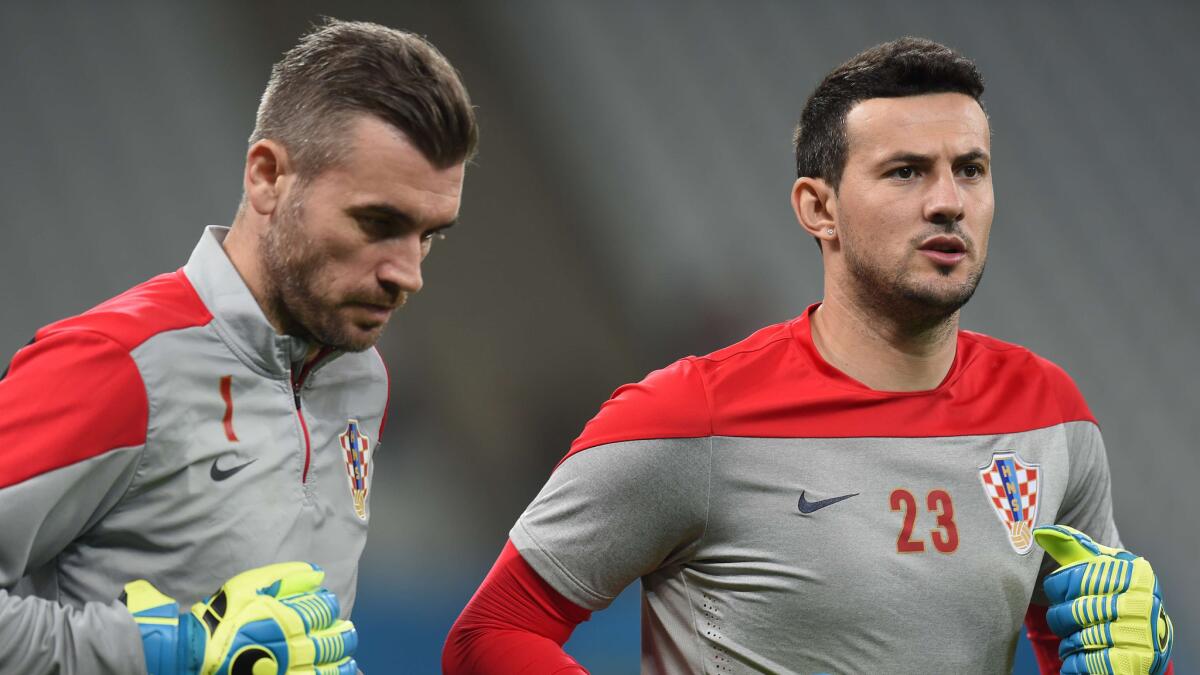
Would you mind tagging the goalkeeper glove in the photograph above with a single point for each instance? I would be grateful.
(272, 620)
(1106, 607)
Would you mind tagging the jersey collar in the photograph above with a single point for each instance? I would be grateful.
(802, 333)
(237, 317)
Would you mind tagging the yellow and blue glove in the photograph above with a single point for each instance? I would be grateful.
(1106, 607)
(272, 620)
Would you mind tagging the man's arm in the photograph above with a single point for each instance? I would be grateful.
(72, 427)
(630, 497)
(41, 636)
(515, 623)
(1043, 640)
(1086, 506)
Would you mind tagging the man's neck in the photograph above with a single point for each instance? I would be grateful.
(241, 246)
(881, 352)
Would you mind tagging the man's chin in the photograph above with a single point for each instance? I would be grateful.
(352, 337)
(940, 299)
(362, 339)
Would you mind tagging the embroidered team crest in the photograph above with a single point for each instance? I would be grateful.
(356, 446)
(1012, 486)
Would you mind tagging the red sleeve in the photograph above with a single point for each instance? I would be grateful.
(68, 397)
(387, 401)
(516, 623)
(1043, 640)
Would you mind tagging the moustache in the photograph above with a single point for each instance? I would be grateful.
(392, 303)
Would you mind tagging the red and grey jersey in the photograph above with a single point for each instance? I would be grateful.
(171, 434)
(784, 518)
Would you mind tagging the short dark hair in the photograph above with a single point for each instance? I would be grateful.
(906, 67)
(344, 68)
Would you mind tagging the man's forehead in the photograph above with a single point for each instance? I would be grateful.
(385, 167)
(917, 123)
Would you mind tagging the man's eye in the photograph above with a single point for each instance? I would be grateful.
(972, 171)
(375, 227)
(430, 236)
(904, 172)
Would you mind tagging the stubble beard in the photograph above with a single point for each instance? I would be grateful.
(293, 263)
(898, 296)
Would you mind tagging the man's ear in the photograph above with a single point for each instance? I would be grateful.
(815, 204)
(268, 172)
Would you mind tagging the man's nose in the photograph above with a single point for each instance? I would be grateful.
(944, 203)
(401, 267)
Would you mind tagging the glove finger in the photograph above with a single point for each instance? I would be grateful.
(1085, 612)
(279, 579)
(319, 609)
(329, 646)
(1064, 584)
(301, 577)
(1061, 619)
(1066, 545)
(335, 643)
(1112, 661)
(1088, 639)
(1103, 575)
(1096, 662)
(1136, 643)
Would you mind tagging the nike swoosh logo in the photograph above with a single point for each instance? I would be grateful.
(807, 507)
(218, 474)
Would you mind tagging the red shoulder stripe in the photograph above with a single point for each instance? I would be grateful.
(668, 403)
(67, 398)
(775, 384)
(75, 391)
(387, 400)
(166, 302)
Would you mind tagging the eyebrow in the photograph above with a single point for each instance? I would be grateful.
(917, 158)
(394, 216)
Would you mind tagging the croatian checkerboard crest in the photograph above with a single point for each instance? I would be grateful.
(1011, 485)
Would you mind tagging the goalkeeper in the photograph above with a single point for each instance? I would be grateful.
(854, 490)
(164, 453)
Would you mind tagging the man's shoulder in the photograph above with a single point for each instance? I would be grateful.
(164, 303)
(677, 401)
(759, 344)
(1012, 358)
(80, 378)
(996, 362)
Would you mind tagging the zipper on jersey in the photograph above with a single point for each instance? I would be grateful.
(297, 385)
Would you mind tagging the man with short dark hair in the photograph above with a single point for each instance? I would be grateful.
(202, 429)
(854, 490)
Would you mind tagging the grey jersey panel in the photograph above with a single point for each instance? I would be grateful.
(654, 493)
(767, 588)
(41, 636)
(42, 516)
(176, 512)
(188, 531)
(1088, 505)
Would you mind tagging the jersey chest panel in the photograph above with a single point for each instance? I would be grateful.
(221, 486)
(898, 541)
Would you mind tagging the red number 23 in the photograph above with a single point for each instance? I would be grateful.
(944, 536)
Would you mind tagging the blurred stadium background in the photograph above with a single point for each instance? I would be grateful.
(628, 206)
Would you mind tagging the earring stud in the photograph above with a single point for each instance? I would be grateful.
(829, 232)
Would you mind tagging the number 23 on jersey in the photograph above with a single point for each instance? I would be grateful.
(944, 535)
